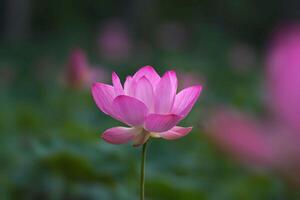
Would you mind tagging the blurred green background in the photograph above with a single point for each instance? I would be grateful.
(50, 146)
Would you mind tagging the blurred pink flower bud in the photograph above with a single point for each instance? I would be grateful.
(147, 103)
(79, 73)
(283, 75)
(268, 146)
(114, 41)
(275, 145)
(241, 136)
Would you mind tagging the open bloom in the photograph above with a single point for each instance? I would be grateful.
(147, 103)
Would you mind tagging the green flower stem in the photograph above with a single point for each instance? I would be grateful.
(142, 180)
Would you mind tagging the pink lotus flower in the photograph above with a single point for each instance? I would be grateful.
(79, 73)
(147, 103)
(274, 144)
